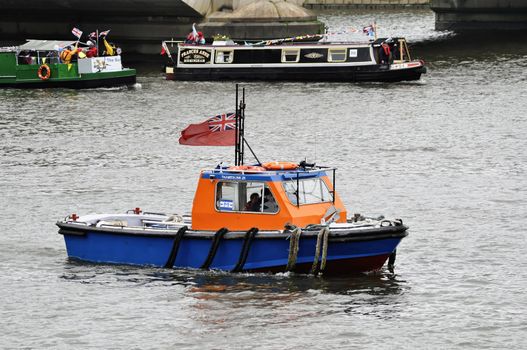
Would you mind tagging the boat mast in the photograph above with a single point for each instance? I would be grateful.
(240, 125)
(241, 142)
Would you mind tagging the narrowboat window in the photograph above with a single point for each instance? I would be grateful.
(290, 55)
(310, 191)
(337, 55)
(245, 197)
(224, 56)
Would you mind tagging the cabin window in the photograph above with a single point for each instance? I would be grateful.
(337, 55)
(290, 55)
(224, 56)
(310, 191)
(245, 197)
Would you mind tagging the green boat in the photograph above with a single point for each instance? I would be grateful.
(37, 64)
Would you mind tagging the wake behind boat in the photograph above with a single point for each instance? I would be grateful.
(274, 216)
(298, 59)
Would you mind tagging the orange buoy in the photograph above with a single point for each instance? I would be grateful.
(44, 72)
(280, 165)
(249, 168)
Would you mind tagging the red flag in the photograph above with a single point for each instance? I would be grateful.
(219, 130)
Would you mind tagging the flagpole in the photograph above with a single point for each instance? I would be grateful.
(237, 137)
(242, 127)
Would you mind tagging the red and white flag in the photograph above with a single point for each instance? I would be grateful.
(105, 33)
(77, 32)
(219, 130)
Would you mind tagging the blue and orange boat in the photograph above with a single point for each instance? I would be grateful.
(269, 217)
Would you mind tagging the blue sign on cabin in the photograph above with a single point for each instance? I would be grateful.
(226, 204)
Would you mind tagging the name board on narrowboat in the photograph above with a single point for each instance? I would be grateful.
(195, 56)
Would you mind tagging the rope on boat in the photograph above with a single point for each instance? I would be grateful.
(214, 247)
(391, 260)
(293, 248)
(249, 235)
(175, 246)
(322, 242)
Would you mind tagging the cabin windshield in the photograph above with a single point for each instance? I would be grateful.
(310, 191)
(245, 197)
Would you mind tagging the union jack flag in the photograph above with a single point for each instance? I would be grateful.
(222, 122)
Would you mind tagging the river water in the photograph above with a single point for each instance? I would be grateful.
(446, 154)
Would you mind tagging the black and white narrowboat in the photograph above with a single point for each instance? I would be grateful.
(384, 59)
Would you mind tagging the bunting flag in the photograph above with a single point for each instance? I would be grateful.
(165, 50)
(77, 32)
(219, 130)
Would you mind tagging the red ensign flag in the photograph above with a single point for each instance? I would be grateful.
(216, 131)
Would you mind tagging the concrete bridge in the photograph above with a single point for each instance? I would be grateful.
(463, 15)
(140, 25)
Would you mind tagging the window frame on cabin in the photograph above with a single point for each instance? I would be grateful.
(290, 188)
(241, 195)
(223, 51)
(285, 54)
(343, 50)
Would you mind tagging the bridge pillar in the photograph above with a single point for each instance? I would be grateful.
(462, 15)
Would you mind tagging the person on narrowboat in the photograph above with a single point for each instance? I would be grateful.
(195, 37)
(254, 203)
(92, 49)
(385, 53)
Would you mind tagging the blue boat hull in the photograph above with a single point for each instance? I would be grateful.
(357, 254)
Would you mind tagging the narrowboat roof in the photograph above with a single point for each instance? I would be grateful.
(231, 43)
(224, 173)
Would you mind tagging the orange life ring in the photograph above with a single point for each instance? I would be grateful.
(250, 168)
(47, 73)
(280, 166)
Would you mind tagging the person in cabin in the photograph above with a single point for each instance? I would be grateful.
(270, 205)
(24, 57)
(254, 203)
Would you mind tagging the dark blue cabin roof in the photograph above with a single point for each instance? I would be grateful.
(269, 175)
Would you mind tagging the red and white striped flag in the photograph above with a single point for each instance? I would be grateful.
(105, 33)
(77, 32)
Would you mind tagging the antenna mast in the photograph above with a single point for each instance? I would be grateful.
(239, 147)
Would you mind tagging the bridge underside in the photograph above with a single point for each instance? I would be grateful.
(137, 26)
(480, 15)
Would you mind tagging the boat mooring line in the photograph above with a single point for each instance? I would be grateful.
(322, 242)
(293, 249)
(214, 247)
(391, 260)
(175, 246)
(249, 235)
